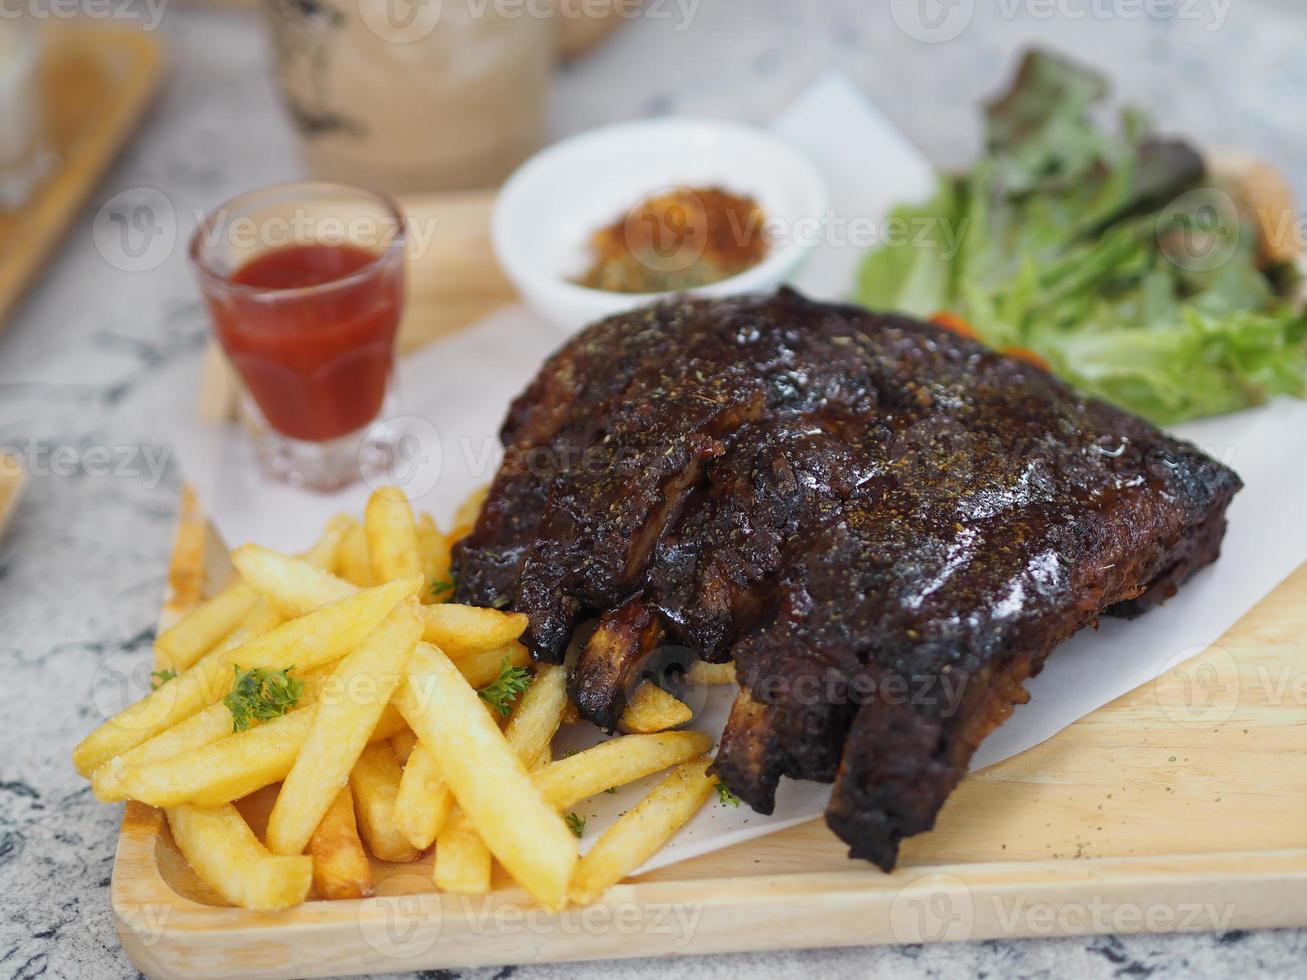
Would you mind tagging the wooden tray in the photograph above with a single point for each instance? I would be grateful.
(1177, 807)
(1159, 812)
(96, 83)
(12, 478)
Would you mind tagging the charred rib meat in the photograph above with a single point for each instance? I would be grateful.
(847, 504)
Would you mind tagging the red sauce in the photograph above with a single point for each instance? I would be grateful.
(316, 362)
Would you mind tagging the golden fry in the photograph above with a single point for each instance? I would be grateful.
(296, 588)
(534, 721)
(292, 585)
(225, 853)
(352, 560)
(463, 630)
(341, 869)
(392, 535)
(233, 767)
(639, 832)
(403, 745)
(324, 635)
(173, 702)
(651, 709)
(343, 721)
(702, 672)
(202, 728)
(262, 618)
(375, 783)
(325, 553)
(462, 858)
(488, 779)
(424, 801)
(481, 669)
(615, 762)
(201, 629)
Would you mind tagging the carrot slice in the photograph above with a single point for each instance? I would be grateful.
(954, 323)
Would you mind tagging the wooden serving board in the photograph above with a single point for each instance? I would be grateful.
(12, 478)
(96, 82)
(1179, 806)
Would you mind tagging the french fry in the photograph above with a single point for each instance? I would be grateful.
(327, 633)
(340, 867)
(487, 778)
(470, 509)
(638, 833)
(326, 550)
(423, 802)
(292, 585)
(375, 783)
(233, 767)
(324, 635)
(296, 588)
(201, 629)
(403, 745)
(462, 858)
(352, 560)
(262, 618)
(615, 762)
(223, 771)
(434, 551)
(651, 709)
(702, 672)
(392, 535)
(534, 721)
(463, 630)
(481, 669)
(225, 853)
(203, 728)
(343, 721)
(543, 758)
(161, 709)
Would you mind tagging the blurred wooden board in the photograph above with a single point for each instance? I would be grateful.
(1159, 812)
(96, 82)
(12, 478)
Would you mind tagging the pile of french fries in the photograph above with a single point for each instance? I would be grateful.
(390, 721)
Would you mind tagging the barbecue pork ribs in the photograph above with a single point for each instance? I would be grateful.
(887, 526)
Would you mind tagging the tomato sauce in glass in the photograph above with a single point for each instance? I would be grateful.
(313, 335)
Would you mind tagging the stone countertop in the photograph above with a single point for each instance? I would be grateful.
(98, 355)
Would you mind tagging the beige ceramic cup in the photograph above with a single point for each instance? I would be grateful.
(415, 95)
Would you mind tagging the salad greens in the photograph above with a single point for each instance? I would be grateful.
(1105, 254)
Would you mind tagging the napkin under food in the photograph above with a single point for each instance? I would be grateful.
(455, 393)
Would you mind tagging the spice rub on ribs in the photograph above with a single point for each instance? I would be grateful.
(887, 526)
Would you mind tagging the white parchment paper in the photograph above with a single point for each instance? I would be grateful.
(455, 393)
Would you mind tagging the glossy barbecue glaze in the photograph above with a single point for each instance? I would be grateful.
(887, 526)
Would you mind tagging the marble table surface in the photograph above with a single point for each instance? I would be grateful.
(98, 355)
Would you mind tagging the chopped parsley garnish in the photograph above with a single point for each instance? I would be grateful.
(726, 796)
(260, 694)
(505, 689)
(158, 678)
(442, 586)
(575, 823)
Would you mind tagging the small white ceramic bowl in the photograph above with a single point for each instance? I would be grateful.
(549, 208)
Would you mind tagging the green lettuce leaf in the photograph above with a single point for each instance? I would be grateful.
(1104, 252)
